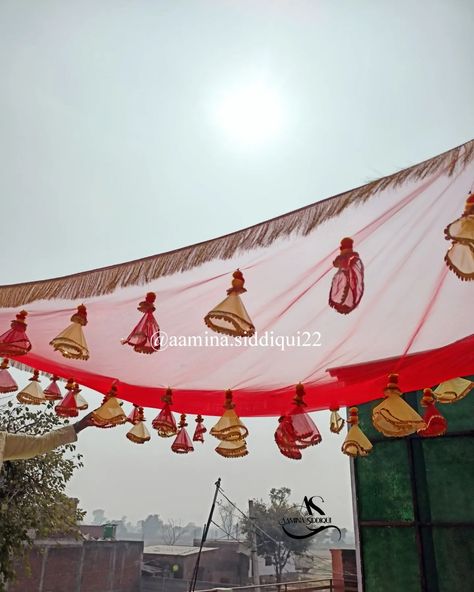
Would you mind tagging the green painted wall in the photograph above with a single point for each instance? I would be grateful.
(415, 505)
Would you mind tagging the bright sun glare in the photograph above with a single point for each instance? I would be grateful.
(251, 115)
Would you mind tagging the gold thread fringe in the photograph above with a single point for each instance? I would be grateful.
(302, 221)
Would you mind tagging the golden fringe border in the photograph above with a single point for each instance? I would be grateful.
(302, 221)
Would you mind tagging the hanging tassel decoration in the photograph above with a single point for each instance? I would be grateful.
(145, 337)
(347, 287)
(285, 438)
(336, 423)
(182, 443)
(81, 403)
(165, 423)
(460, 255)
(139, 433)
(232, 448)
(134, 415)
(229, 427)
(394, 417)
(453, 390)
(15, 342)
(68, 406)
(436, 424)
(71, 342)
(307, 434)
(53, 392)
(7, 382)
(110, 413)
(200, 429)
(32, 394)
(356, 442)
(230, 316)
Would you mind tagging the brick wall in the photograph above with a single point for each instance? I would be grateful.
(89, 566)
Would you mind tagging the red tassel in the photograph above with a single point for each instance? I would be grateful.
(164, 423)
(296, 429)
(145, 337)
(15, 342)
(68, 407)
(135, 415)
(182, 443)
(200, 430)
(285, 437)
(347, 287)
(7, 382)
(53, 392)
(436, 424)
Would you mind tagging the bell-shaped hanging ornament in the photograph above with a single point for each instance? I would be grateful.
(232, 449)
(68, 406)
(394, 417)
(200, 429)
(229, 427)
(32, 394)
(110, 413)
(134, 415)
(230, 316)
(356, 442)
(460, 255)
(52, 392)
(336, 423)
(307, 434)
(7, 382)
(139, 433)
(145, 337)
(182, 443)
(15, 342)
(165, 423)
(71, 342)
(285, 438)
(453, 390)
(436, 424)
(81, 403)
(347, 287)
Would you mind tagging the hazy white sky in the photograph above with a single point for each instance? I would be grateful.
(117, 141)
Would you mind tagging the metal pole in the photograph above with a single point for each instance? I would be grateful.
(253, 548)
(205, 531)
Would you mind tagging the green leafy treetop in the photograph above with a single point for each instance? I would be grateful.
(32, 499)
(272, 542)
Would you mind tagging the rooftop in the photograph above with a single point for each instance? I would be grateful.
(175, 550)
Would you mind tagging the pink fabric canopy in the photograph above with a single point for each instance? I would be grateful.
(415, 317)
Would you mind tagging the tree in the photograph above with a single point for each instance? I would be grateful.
(172, 532)
(32, 499)
(227, 518)
(272, 542)
(152, 528)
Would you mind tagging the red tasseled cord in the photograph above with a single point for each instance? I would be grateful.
(15, 342)
(145, 337)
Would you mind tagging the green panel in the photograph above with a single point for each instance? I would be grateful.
(454, 553)
(390, 559)
(383, 483)
(449, 464)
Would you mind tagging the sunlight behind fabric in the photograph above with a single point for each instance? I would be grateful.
(411, 320)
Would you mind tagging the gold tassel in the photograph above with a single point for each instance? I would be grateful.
(453, 390)
(139, 433)
(356, 442)
(229, 427)
(71, 342)
(336, 423)
(32, 394)
(110, 413)
(394, 417)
